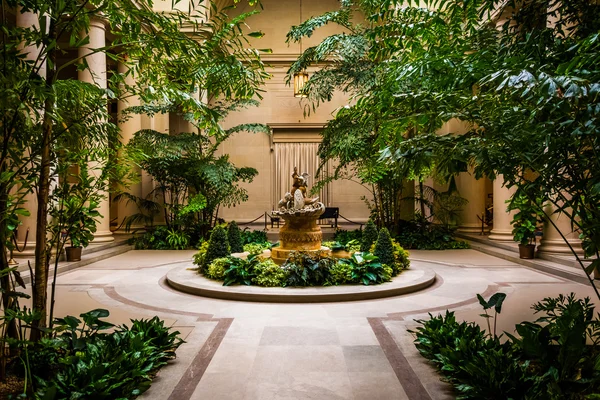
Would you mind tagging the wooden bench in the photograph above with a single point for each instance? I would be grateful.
(331, 213)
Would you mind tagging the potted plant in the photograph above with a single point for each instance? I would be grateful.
(79, 225)
(525, 221)
(74, 212)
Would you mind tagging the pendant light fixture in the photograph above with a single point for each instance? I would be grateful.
(300, 78)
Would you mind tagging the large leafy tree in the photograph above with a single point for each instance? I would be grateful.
(391, 103)
(172, 55)
(526, 77)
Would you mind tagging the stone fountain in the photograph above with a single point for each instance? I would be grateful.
(300, 213)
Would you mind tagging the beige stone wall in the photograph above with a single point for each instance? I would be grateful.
(280, 109)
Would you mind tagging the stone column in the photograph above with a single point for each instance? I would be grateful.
(552, 242)
(29, 20)
(129, 125)
(474, 191)
(96, 74)
(502, 219)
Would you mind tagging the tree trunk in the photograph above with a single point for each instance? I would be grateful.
(422, 198)
(42, 254)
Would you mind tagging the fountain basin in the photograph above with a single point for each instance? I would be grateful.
(300, 233)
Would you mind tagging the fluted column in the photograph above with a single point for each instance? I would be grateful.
(128, 126)
(502, 219)
(96, 74)
(552, 242)
(29, 20)
(474, 191)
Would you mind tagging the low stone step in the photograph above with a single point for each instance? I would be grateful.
(87, 258)
(564, 271)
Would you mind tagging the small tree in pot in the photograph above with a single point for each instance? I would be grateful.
(74, 216)
(525, 221)
(80, 226)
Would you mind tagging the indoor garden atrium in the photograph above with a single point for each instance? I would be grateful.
(300, 199)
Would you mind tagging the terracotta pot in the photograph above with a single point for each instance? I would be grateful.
(527, 251)
(73, 253)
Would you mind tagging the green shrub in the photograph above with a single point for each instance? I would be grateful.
(423, 235)
(351, 246)
(94, 365)
(177, 240)
(200, 256)
(367, 269)
(249, 236)
(240, 271)
(555, 357)
(257, 248)
(234, 237)
(216, 269)
(401, 261)
(218, 245)
(307, 269)
(269, 274)
(152, 240)
(340, 273)
(384, 249)
(332, 245)
(369, 237)
(343, 237)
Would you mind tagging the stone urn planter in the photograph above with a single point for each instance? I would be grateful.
(527, 251)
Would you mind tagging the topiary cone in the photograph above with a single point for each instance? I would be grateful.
(369, 237)
(235, 238)
(218, 245)
(384, 249)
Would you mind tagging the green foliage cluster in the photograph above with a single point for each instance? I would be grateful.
(249, 236)
(218, 245)
(555, 357)
(300, 270)
(351, 246)
(369, 236)
(340, 273)
(82, 361)
(270, 274)
(252, 270)
(367, 269)
(161, 238)
(307, 269)
(200, 256)
(401, 260)
(344, 237)
(424, 235)
(256, 248)
(234, 237)
(216, 269)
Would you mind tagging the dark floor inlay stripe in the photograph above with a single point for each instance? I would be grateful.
(190, 379)
(406, 375)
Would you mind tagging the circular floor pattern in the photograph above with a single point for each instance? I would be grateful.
(184, 279)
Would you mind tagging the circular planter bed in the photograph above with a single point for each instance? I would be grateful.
(186, 279)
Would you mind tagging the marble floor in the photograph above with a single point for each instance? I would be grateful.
(350, 350)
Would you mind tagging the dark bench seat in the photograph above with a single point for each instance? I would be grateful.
(331, 213)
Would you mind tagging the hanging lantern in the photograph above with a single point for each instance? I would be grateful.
(300, 79)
